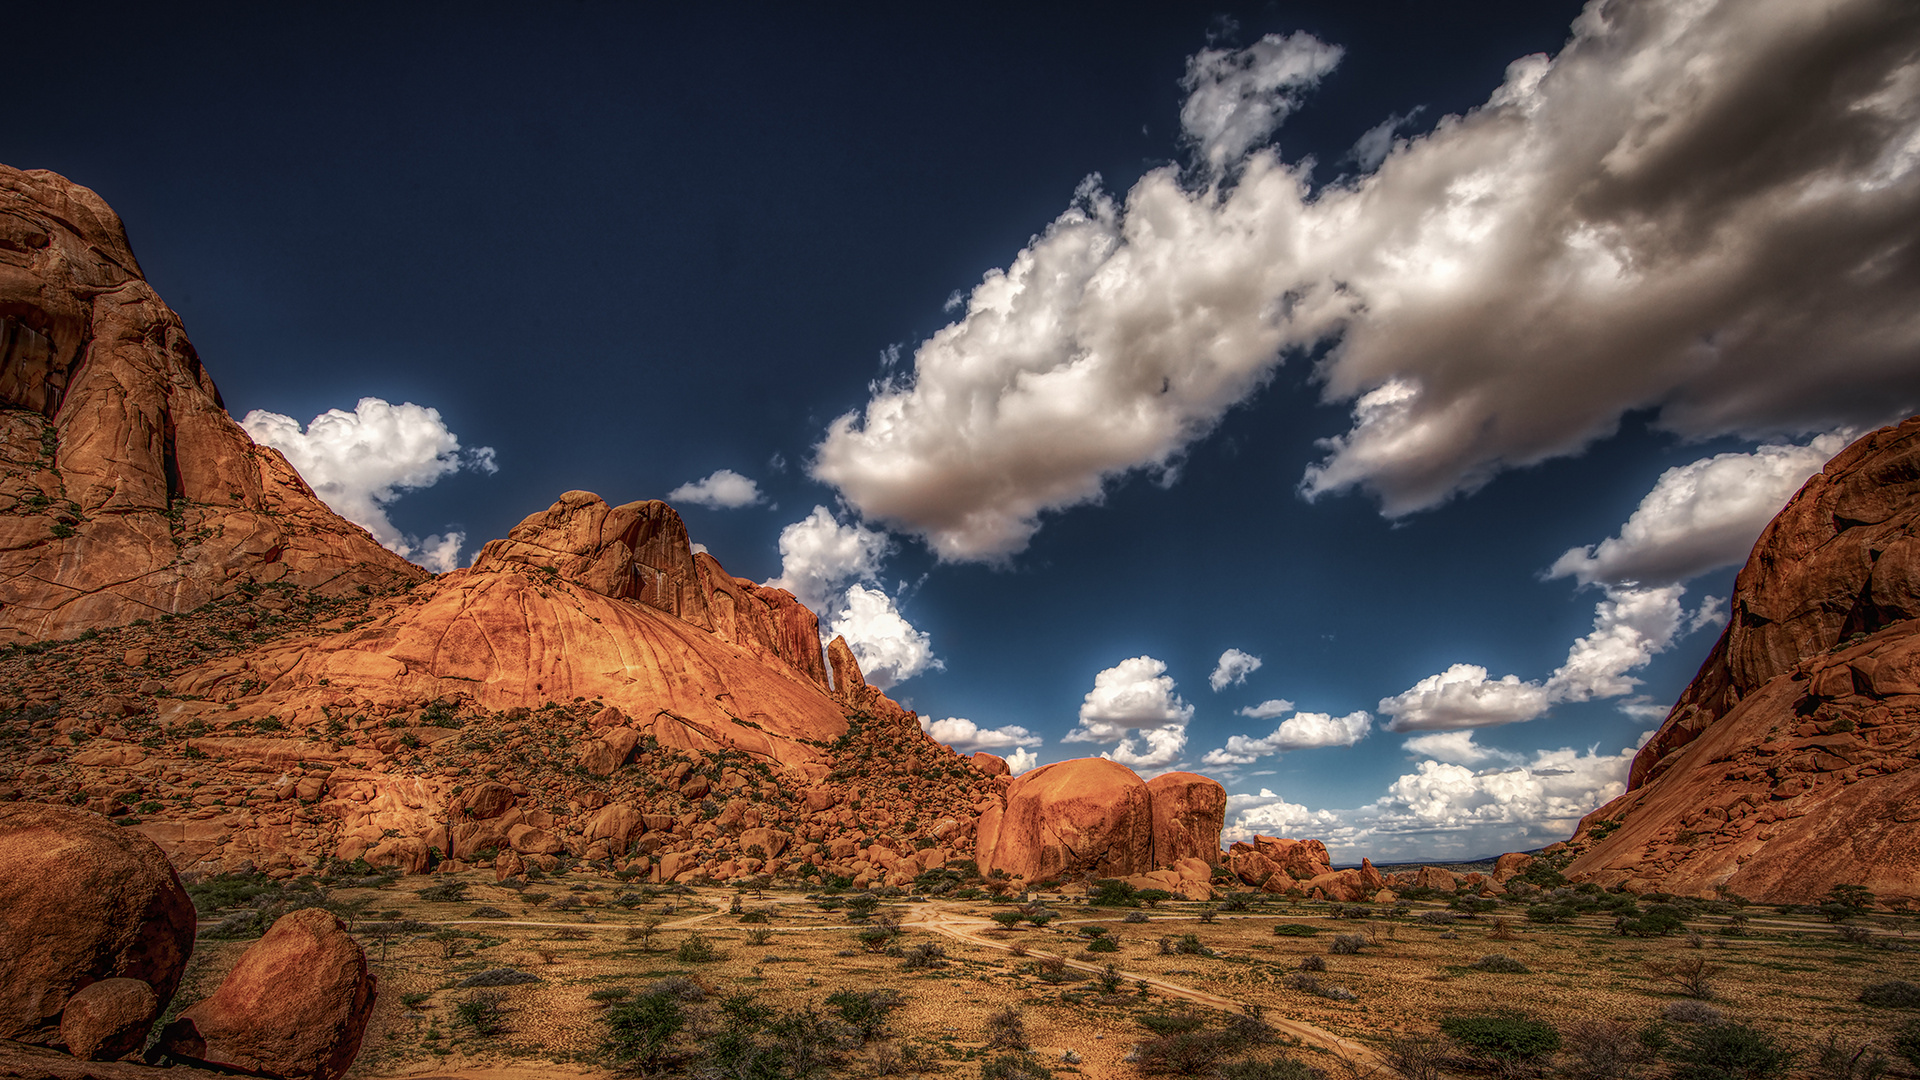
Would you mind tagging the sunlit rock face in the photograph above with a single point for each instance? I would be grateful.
(1787, 766)
(126, 490)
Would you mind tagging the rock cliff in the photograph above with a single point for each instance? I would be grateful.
(126, 491)
(1787, 766)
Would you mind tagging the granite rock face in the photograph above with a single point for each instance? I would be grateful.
(295, 1005)
(1787, 766)
(82, 901)
(1088, 815)
(126, 491)
(1189, 810)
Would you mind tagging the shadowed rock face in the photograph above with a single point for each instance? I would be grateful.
(1787, 766)
(125, 488)
(1085, 815)
(1189, 810)
(82, 900)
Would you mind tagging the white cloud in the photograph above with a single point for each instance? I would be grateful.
(724, 490)
(1303, 731)
(1267, 709)
(819, 557)
(1376, 143)
(1455, 747)
(967, 736)
(1446, 810)
(1712, 612)
(1135, 696)
(1233, 669)
(1021, 760)
(1236, 98)
(832, 568)
(889, 649)
(1630, 627)
(1679, 214)
(1700, 516)
(359, 462)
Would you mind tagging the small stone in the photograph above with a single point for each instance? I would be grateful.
(109, 1019)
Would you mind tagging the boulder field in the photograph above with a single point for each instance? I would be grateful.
(1788, 765)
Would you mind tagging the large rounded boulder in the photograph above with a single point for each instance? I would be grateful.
(1189, 810)
(82, 901)
(1086, 816)
(295, 1005)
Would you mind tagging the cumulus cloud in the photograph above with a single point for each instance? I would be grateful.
(1302, 731)
(1376, 143)
(1455, 747)
(967, 736)
(723, 490)
(359, 462)
(1021, 760)
(1133, 703)
(1445, 809)
(1700, 516)
(834, 569)
(1236, 98)
(888, 647)
(1630, 627)
(1704, 210)
(1267, 709)
(1233, 669)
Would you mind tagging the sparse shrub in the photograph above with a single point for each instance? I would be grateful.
(1309, 983)
(607, 995)
(1506, 1039)
(1605, 1050)
(1285, 1068)
(1346, 944)
(1835, 1058)
(927, 954)
(1006, 1030)
(1417, 1057)
(446, 892)
(640, 1032)
(483, 1012)
(1891, 994)
(1727, 1051)
(489, 913)
(1237, 901)
(1015, 1066)
(1500, 963)
(1438, 918)
(1692, 975)
(1103, 945)
(1692, 1012)
(504, 976)
(680, 988)
(759, 937)
(696, 949)
(1209, 913)
(866, 1012)
(1295, 930)
(1313, 962)
(1135, 916)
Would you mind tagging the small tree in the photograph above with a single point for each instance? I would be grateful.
(1006, 1030)
(1507, 1040)
(1152, 897)
(1727, 1051)
(640, 1032)
(1692, 975)
(483, 1011)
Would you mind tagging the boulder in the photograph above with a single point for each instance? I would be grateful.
(1433, 877)
(109, 1019)
(990, 764)
(528, 840)
(1088, 815)
(770, 841)
(294, 1006)
(616, 823)
(82, 900)
(604, 756)
(1511, 865)
(1188, 813)
(488, 800)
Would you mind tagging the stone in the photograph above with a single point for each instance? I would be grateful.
(990, 764)
(1434, 877)
(488, 800)
(294, 1006)
(1510, 865)
(82, 900)
(528, 840)
(770, 841)
(1776, 774)
(1087, 815)
(109, 1019)
(1189, 811)
(154, 499)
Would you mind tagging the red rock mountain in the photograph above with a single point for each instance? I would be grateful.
(126, 491)
(1788, 766)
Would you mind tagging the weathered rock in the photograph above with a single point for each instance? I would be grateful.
(19, 1061)
(295, 1005)
(109, 1019)
(1786, 767)
(1434, 877)
(528, 840)
(1510, 865)
(82, 900)
(991, 764)
(488, 800)
(131, 490)
(1188, 812)
(1088, 815)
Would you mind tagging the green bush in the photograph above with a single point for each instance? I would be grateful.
(1295, 930)
(1727, 1051)
(1112, 892)
(1019, 1065)
(1286, 1068)
(1507, 1038)
(640, 1032)
(696, 949)
(1500, 963)
(1103, 944)
(865, 1012)
(1891, 994)
(483, 1012)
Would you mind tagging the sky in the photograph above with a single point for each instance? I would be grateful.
(1367, 405)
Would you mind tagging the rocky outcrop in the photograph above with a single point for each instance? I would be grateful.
(82, 901)
(108, 1019)
(1788, 766)
(126, 490)
(582, 601)
(294, 1007)
(1189, 810)
(1278, 865)
(1092, 816)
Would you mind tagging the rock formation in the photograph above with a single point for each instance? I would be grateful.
(83, 901)
(1092, 816)
(126, 491)
(1788, 765)
(293, 1007)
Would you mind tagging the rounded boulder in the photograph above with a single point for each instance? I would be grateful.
(1088, 815)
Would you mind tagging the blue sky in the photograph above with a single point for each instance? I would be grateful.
(1445, 359)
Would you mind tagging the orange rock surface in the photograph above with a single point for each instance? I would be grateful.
(1088, 814)
(1189, 811)
(1788, 765)
(126, 490)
